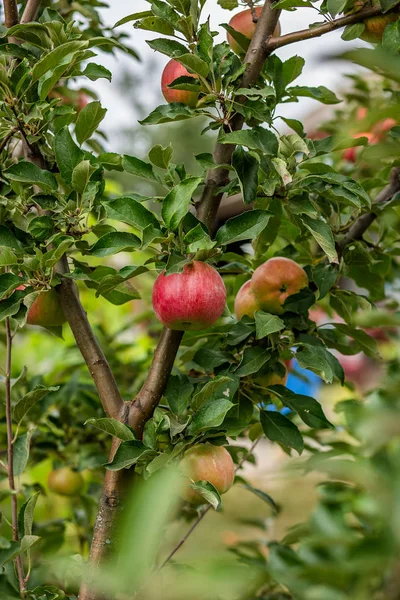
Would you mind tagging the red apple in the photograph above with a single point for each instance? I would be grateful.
(382, 127)
(191, 300)
(275, 280)
(245, 303)
(172, 71)
(350, 154)
(206, 462)
(46, 310)
(244, 24)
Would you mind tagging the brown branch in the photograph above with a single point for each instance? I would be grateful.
(255, 57)
(30, 11)
(88, 345)
(306, 34)
(361, 225)
(10, 459)
(10, 13)
(143, 406)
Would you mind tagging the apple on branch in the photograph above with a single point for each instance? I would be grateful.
(245, 23)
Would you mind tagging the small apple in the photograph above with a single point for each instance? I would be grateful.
(206, 462)
(275, 280)
(46, 310)
(350, 154)
(191, 300)
(245, 303)
(243, 23)
(172, 71)
(382, 127)
(374, 26)
(65, 482)
(273, 377)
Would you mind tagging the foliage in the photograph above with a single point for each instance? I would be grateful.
(303, 197)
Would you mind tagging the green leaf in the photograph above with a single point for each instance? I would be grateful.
(161, 157)
(138, 167)
(155, 24)
(246, 166)
(130, 211)
(27, 172)
(267, 324)
(176, 204)
(323, 235)
(246, 226)
(308, 409)
(133, 17)
(169, 113)
(88, 120)
(8, 283)
(253, 359)
(352, 32)
(30, 398)
(114, 242)
(68, 154)
(94, 71)
(279, 429)
(8, 239)
(128, 454)
(178, 392)
(21, 453)
(112, 427)
(41, 227)
(112, 161)
(194, 64)
(320, 93)
(210, 388)
(33, 33)
(254, 139)
(211, 415)
(81, 175)
(320, 361)
(52, 59)
(208, 492)
(168, 47)
(262, 495)
(25, 515)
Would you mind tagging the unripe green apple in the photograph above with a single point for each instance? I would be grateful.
(243, 23)
(274, 281)
(172, 71)
(206, 462)
(46, 310)
(65, 482)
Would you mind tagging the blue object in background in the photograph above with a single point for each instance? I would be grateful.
(309, 384)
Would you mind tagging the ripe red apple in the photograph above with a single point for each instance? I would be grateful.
(206, 462)
(46, 310)
(191, 300)
(65, 482)
(244, 24)
(350, 154)
(362, 113)
(275, 280)
(382, 127)
(172, 71)
(245, 303)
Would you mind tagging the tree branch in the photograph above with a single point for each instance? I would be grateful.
(256, 55)
(143, 406)
(361, 225)
(10, 13)
(10, 459)
(305, 34)
(110, 397)
(30, 11)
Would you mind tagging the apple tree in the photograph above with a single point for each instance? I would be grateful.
(305, 269)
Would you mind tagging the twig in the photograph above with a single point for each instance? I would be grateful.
(10, 459)
(203, 512)
(110, 397)
(257, 52)
(306, 34)
(361, 225)
(30, 11)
